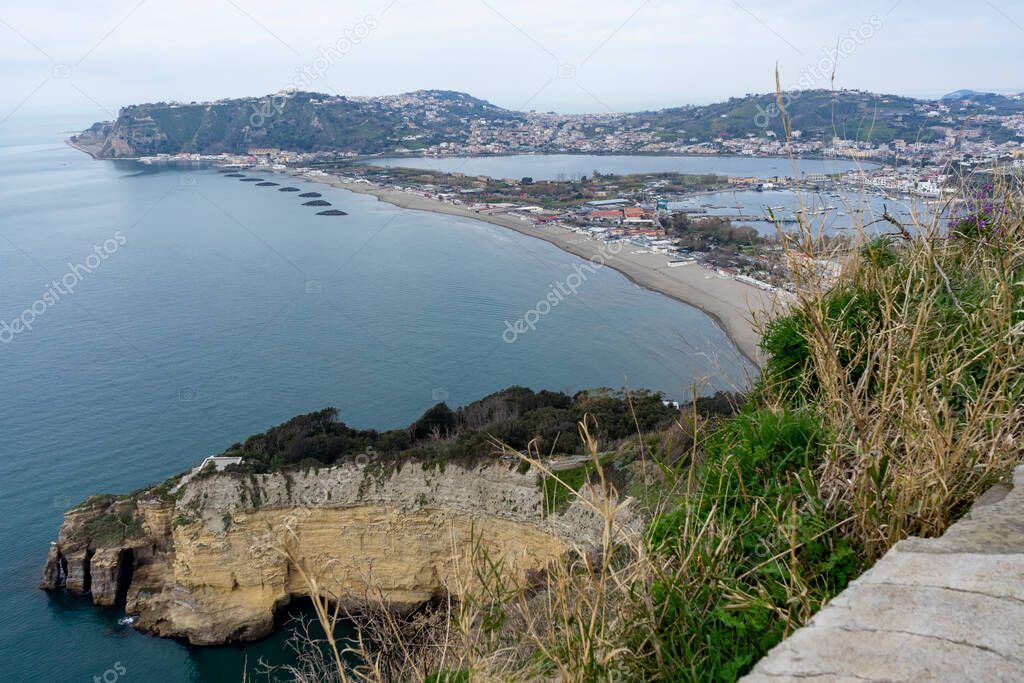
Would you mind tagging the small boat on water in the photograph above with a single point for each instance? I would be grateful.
(331, 212)
(267, 183)
(288, 189)
(251, 180)
(311, 194)
(316, 202)
(126, 621)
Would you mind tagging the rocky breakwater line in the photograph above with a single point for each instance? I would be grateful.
(204, 561)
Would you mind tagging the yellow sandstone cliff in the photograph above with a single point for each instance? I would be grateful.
(207, 563)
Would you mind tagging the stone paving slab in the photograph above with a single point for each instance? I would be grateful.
(943, 609)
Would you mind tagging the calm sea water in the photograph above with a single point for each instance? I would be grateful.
(565, 166)
(215, 309)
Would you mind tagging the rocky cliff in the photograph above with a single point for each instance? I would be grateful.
(204, 561)
(297, 121)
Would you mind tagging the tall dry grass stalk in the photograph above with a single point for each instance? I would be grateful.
(916, 356)
(924, 398)
(562, 623)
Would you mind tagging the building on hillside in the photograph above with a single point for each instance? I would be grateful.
(609, 216)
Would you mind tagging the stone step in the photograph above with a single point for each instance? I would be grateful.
(941, 609)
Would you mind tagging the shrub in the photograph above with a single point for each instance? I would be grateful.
(846, 314)
(438, 420)
(738, 549)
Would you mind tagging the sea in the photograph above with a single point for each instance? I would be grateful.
(151, 316)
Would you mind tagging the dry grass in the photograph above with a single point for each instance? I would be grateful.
(559, 624)
(915, 365)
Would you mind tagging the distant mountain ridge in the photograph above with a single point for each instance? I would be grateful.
(967, 94)
(964, 94)
(314, 122)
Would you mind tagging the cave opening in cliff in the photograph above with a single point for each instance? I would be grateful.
(297, 609)
(292, 608)
(125, 572)
(87, 571)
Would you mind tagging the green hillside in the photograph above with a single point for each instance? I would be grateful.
(304, 122)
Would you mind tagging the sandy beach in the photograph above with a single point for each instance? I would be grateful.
(734, 306)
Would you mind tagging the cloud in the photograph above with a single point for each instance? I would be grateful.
(623, 55)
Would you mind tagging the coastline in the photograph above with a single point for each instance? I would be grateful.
(80, 148)
(733, 306)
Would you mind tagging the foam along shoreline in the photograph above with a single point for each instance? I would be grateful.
(734, 306)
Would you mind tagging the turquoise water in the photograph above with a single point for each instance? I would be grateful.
(565, 166)
(220, 308)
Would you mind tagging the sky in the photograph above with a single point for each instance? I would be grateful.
(550, 55)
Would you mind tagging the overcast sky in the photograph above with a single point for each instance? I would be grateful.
(561, 55)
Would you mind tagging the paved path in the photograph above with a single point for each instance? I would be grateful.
(941, 609)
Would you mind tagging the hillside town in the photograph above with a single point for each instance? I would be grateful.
(672, 214)
(926, 144)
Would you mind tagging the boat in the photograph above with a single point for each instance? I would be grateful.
(126, 621)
